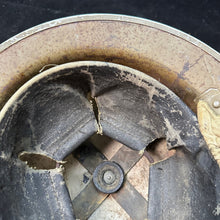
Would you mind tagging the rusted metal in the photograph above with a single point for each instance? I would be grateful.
(181, 62)
(90, 198)
(186, 66)
(148, 156)
(157, 151)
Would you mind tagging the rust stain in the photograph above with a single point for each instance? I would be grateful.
(144, 48)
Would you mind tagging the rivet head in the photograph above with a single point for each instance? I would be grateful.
(108, 177)
(216, 104)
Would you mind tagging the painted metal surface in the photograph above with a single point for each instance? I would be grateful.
(181, 62)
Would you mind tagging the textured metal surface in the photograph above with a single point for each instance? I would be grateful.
(90, 201)
(135, 189)
(181, 62)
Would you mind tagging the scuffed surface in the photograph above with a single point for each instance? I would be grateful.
(29, 194)
(52, 115)
(179, 190)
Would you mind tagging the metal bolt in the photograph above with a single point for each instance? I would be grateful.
(216, 104)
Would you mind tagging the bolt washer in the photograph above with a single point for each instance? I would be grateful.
(108, 177)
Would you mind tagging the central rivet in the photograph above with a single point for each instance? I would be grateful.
(108, 177)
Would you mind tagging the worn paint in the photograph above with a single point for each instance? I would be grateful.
(157, 50)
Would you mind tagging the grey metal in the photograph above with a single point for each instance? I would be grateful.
(108, 177)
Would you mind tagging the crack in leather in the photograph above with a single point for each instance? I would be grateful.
(52, 116)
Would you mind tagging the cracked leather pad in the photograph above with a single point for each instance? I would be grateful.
(52, 115)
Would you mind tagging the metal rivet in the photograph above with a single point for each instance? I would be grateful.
(216, 104)
(109, 177)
